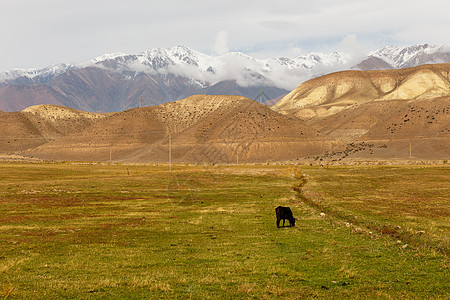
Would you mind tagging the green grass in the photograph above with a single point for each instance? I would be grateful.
(116, 231)
(410, 203)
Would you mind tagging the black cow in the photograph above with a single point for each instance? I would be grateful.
(284, 213)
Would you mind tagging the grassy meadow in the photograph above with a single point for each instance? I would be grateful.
(89, 231)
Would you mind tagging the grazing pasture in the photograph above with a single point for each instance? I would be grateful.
(92, 231)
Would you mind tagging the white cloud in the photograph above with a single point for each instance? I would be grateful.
(445, 49)
(38, 33)
(221, 43)
(350, 45)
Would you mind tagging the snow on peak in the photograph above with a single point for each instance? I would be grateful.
(246, 70)
(109, 56)
(398, 56)
(202, 68)
(36, 75)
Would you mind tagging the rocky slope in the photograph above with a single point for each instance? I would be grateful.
(332, 93)
(399, 112)
(201, 128)
(41, 124)
(345, 116)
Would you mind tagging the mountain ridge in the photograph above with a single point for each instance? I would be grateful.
(115, 82)
(400, 110)
(334, 92)
(155, 59)
(201, 128)
(360, 115)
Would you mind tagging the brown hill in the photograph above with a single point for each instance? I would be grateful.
(62, 119)
(232, 129)
(392, 127)
(200, 128)
(329, 94)
(399, 113)
(18, 133)
(113, 136)
(41, 124)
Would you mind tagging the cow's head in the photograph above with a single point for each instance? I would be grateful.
(292, 221)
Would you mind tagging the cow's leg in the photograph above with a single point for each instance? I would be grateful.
(278, 222)
(284, 221)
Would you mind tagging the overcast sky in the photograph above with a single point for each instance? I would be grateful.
(35, 33)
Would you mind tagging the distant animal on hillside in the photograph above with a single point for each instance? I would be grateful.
(284, 213)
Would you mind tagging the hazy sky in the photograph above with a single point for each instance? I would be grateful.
(35, 33)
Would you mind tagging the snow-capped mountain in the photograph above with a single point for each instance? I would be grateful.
(36, 75)
(311, 60)
(206, 70)
(406, 56)
(200, 68)
(113, 82)
(397, 56)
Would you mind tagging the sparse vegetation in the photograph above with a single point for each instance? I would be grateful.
(138, 231)
(403, 202)
(302, 179)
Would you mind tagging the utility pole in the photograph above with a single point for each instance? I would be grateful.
(260, 96)
(140, 101)
(410, 150)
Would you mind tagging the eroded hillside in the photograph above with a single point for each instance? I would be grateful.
(197, 129)
(399, 113)
(38, 125)
(332, 93)
(389, 115)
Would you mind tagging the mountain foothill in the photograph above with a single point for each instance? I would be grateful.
(386, 114)
(346, 116)
(393, 105)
